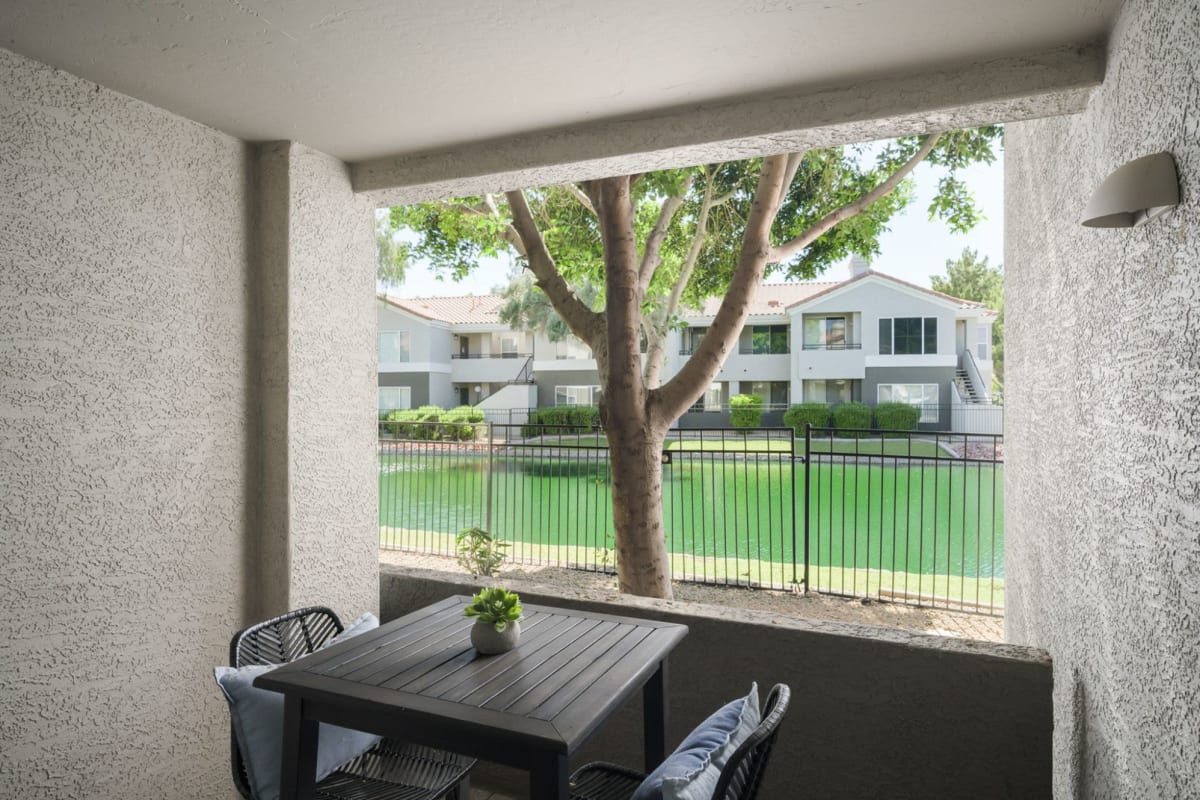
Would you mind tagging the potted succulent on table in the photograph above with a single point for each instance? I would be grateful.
(497, 613)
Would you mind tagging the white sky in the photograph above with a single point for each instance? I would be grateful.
(915, 249)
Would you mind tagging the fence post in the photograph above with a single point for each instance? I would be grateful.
(491, 450)
(807, 490)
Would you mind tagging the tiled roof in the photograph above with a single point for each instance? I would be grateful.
(869, 273)
(771, 298)
(481, 309)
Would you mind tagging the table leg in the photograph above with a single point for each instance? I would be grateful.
(548, 778)
(298, 781)
(654, 717)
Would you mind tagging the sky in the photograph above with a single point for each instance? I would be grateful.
(915, 249)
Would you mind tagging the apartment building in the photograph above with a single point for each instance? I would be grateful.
(870, 338)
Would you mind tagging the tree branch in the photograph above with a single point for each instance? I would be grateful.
(652, 253)
(489, 209)
(578, 194)
(674, 397)
(583, 322)
(785, 251)
(656, 352)
(793, 165)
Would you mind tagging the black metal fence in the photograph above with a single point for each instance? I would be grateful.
(862, 514)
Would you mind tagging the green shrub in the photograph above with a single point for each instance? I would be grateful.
(745, 410)
(429, 419)
(816, 414)
(849, 416)
(479, 553)
(897, 416)
(403, 422)
(462, 423)
(560, 420)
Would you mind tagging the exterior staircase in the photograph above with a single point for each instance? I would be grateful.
(966, 388)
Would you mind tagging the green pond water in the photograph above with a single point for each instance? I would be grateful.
(925, 518)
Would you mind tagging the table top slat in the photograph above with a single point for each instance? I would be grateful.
(586, 669)
(546, 671)
(488, 668)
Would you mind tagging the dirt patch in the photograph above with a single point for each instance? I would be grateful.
(812, 606)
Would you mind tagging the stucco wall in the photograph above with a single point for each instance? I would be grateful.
(331, 388)
(875, 712)
(1103, 404)
(124, 425)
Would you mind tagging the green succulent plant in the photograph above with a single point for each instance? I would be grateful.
(496, 607)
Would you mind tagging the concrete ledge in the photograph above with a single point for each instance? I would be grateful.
(875, 711)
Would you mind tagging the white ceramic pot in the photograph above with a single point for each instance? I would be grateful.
(489, 641)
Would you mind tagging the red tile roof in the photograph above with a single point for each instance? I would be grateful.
(770, 300)
(469, 309)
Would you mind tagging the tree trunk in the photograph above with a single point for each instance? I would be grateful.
(635, 463)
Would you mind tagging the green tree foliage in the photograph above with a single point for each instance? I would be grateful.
(971, 278)
(391, 255)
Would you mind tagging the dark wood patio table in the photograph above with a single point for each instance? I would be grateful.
(418, 678)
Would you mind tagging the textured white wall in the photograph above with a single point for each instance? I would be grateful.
(187, 426)
(334, 525)
(1102, 413)
(123, 435)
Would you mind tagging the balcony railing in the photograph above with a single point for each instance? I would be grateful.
(834, 346)
(744, 350)
(490, 355)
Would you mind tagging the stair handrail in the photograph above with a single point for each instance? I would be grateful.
(976, 377)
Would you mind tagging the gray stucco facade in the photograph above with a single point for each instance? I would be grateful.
(1103, 459)
(548, 379)
(417, 381)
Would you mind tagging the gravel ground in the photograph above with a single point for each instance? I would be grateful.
(867, 612)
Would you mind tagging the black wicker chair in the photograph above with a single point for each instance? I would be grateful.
(391, 769)
(740, 779)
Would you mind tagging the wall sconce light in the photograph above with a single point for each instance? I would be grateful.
(478, 389)
(1136, 193)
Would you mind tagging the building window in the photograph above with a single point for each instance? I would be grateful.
(922, 395)
(394, 397)
(774, 393)
(829, 392)
(825, 333)
(768, 340)
(907, 336)
(576, 395)
(692, 337)
(571, 348)
(985, 342)
(393, 347)
(712, 399)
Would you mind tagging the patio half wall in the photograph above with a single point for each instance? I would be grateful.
(875, 712)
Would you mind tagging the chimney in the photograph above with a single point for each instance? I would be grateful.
(858, 265)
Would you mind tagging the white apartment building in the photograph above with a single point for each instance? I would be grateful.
(871, 338)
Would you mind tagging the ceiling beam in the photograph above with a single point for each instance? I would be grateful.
(1044, 84)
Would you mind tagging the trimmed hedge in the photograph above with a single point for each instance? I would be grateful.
(434, 423)
(745, 410)
(559, 420)
(462, 423)
(851, 415)
(897, 416)
(815, 413)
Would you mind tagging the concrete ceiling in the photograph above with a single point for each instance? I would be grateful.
(368, 79)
